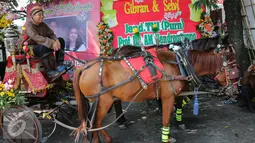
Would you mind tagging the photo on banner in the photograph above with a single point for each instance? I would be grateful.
(72, 29)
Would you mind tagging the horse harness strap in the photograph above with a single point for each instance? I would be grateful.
(105, 90)
(100, 74)
(148, 58)
(186, 68)
(132, 78)
(226, 69)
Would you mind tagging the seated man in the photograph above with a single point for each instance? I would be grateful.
(247, 89)
(44, 42)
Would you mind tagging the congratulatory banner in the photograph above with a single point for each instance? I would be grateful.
(173, 18)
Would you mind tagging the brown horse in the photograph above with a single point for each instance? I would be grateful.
(87, 83)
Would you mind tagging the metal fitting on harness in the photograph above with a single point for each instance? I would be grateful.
(144, 85)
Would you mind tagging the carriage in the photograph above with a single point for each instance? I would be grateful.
(45, 101)
(45, 98)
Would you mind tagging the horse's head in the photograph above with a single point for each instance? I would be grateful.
(215, 56)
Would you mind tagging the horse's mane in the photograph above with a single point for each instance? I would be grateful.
(209, 60)
(205, 44)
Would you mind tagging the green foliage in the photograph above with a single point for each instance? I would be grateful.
(206, 3)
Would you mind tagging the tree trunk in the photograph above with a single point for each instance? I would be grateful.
(235, 30)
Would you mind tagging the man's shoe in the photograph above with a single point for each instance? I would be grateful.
(63, 67)
(52, 74)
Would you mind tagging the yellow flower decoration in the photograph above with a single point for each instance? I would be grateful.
(9, 21)
(135, 30)
(11, 94)
(154, 26)
(23, 28)
(1, 93)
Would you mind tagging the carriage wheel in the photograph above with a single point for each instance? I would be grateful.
(20, 125)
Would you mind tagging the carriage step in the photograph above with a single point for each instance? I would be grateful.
(186, 93)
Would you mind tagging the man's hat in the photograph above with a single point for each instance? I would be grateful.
(35, 10)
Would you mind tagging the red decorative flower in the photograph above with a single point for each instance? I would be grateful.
(25, 37)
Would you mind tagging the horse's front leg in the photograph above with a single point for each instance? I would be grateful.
(167, 106)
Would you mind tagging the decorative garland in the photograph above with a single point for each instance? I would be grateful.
(205, 27)
(105, 37)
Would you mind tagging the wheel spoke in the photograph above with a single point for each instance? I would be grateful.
(29, 134)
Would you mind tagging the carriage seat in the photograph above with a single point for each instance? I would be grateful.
(21, 59)
(26, 77)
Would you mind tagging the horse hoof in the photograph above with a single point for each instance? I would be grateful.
(108, 140)
(95, 141)
(122, 126)
(182, 126)
(172, 140)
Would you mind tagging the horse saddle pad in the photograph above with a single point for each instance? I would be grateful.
(138, 63)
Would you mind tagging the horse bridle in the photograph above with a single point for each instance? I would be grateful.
(227, 63)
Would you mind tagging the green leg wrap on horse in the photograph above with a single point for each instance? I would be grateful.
(185, 101)
(178, 115)
(165, 134)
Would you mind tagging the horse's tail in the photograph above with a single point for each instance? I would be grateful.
(80, 99)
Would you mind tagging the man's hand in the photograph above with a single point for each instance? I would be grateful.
(56, 46)
(250, 68)
(58, 43)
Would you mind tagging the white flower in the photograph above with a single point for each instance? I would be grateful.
(10, 81)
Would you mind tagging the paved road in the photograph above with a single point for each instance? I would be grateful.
(216, 123)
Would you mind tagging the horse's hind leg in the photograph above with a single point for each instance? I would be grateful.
(178, 112)
(118, 110)
(105, 102)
